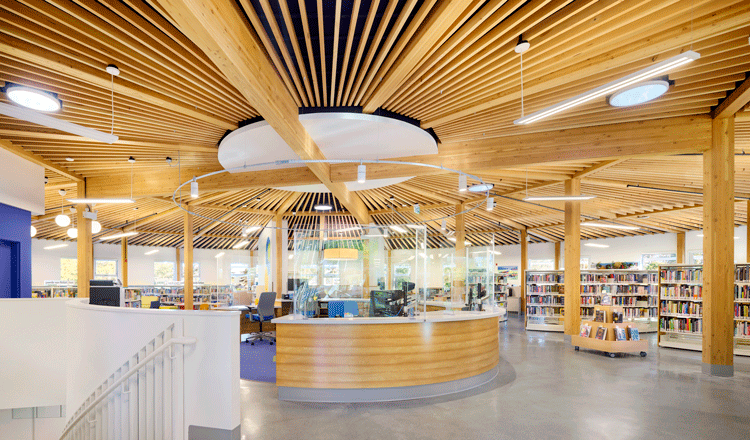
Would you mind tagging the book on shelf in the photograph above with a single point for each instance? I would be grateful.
(605, 299)
(634, 335)
(601, 333)
(600, 316)
(620, 334)
(585, 331)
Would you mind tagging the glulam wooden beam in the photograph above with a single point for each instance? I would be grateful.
(572, 259)
(718, 251)
(734, 102)
(84, 245)
(39, 160)
(680, 248)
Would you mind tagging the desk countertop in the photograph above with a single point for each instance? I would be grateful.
(430, 317)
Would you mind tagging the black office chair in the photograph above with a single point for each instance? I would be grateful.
(265, 313)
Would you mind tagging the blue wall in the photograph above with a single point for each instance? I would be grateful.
(15, 227)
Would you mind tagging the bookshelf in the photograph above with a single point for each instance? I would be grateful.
(500, 285)
(204, 296)
(635, 291)
(681, 306)
(544, 300)
(132, 297)
(609, 343)
(54, 292)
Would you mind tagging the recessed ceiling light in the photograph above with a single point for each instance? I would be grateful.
(69, 159)
(323, 207)
(639, 93)
(481, 187)
(33, 98)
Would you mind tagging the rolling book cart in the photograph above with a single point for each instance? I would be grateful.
(603, 335)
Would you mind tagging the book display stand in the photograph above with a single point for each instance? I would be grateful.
(603, 334)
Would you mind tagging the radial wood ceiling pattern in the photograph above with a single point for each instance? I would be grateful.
(449, 65)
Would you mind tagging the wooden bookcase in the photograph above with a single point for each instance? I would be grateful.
(609, 345)
(500, 287)
(544, 300)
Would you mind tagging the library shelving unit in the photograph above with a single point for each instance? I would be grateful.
(204, 297)
(742, 309)
(544, 300)
(51, 291)
(681, 306)
(636, 291)
(609, 345)
(500, 284)
(132, 297)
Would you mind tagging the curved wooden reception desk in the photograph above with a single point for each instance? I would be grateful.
(384, 359)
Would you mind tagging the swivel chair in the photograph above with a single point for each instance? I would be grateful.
(265, 314)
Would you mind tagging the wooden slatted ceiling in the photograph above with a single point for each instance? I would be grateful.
(171, 100)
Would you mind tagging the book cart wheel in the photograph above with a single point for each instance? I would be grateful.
(643, 354)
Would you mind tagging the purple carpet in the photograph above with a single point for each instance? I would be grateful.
(256, 361)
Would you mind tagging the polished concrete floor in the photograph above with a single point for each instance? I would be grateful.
(545, 390)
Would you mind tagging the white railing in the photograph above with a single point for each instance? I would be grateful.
(143, 399)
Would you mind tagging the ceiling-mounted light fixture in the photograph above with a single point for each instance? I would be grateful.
(73, 232)
(443, 225)
(361, 173)
(62, 220)
(608, 225)
(96, 227)
(35, 117)
(219, 255)
(639, 93)
(194, 188)
(557, 198)
(251, 229)
(152, 252)
(462, 182)
(323, 207)
(34, 99)
(490, 204)
(119, 235)
(596, 245)
(69, 159)
(241, 244)
(55, 246)
(522, 45)
(604, 90)
(481, 187)
(33, 231)
(398, 229)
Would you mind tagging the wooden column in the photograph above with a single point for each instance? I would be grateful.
(680, 248)
(572, 259)
(188, 243)
(84, 246)
(557, 255)
(124, 260)
(718, 250)
(389, 281)
(747, 233)
(280, 277)
(177, 262)
(459, 276)
(366, 269)
(524, 267)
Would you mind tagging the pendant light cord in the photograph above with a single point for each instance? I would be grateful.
(692, 16)
(112, 129)
(522, 113)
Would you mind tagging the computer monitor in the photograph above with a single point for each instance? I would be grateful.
(292, 284)
(387, 303)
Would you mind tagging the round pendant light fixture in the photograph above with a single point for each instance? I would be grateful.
(73, 232)
(62, 220)
(33, 231)
(96, 227)
(34, 99)
(639, 93)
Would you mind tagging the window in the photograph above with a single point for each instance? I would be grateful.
(164, 271)
(196, 271)
(105, 269)
(652, 261)
(541, 264)
(69, 269)
(585, 263)
(695, 257)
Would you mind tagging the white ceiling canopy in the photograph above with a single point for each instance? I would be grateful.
(338, 135)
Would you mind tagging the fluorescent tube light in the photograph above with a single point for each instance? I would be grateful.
(634, 78)
(398, 229)
(251, 229)
(219, 255)
(58, 124)
(119, 235)
(243, 243)
(481, 187)
(152, 252)
(596, 245)
(94, 201)
(701, 235)
(323, 207)
(56, 246)
(556, 198)
(609, 225)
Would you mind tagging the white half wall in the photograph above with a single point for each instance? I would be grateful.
(21, 183)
